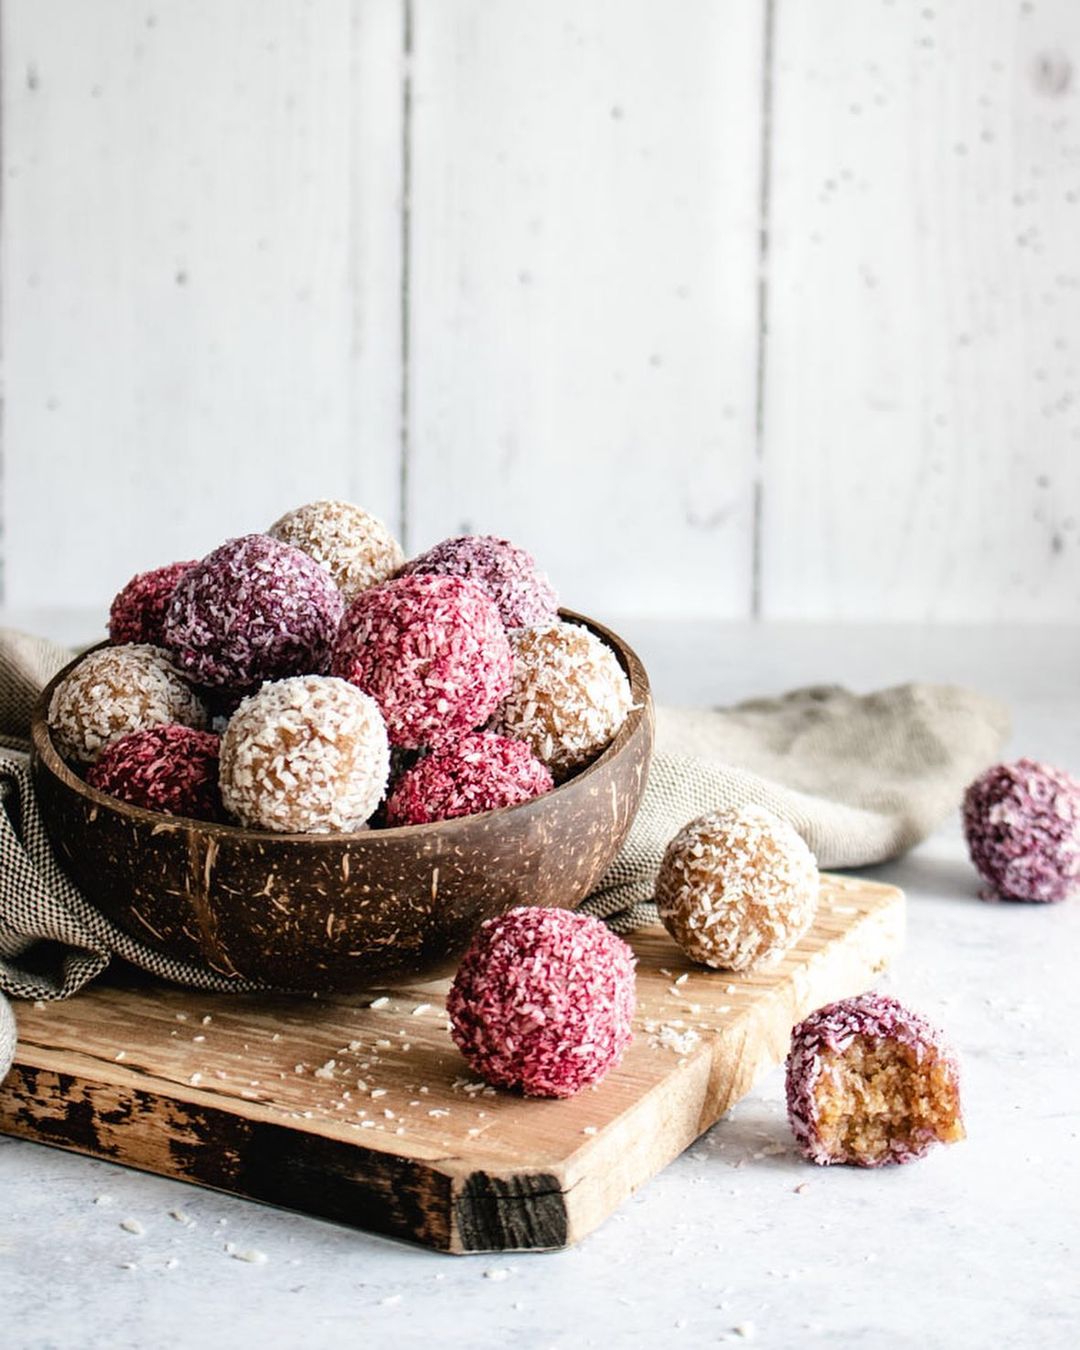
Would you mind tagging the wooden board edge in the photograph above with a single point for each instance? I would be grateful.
(723, 1069)
(266, 1161)
(441, 1202)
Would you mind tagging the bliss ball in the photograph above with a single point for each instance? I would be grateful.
(355, 548)
(255, 609)
(1022, 823)
(482, 772)
(431, 651)
(568, 698)
(114, 691)
(307, 755)
(543, 1001)
(869, 1082)
(737, 888)
(506, 572)
(137, 614)
(170, 768)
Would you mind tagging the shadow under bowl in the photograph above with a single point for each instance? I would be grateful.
(341, 911)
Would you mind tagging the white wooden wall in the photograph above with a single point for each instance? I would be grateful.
(724, 307)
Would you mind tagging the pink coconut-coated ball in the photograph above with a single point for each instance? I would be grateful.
(543, 1001)
(1022, 823)
(255, 609)
(137, 614)
(482, 772)
(870, 1083)
(431, 651)
(507, 573)
(171, 768)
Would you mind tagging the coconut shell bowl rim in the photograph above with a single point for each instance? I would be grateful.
(43, 749)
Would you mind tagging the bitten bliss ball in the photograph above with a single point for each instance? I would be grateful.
(355, 548)
(543, 1001)
(568, 698)
(171, 768)
(737, 888)
(305, 755)
(255, 609)
(482, 772)
(869, 1083)
(507, 573)
(1022, 823)
(114, 691)
(137, 614)
(431, 651)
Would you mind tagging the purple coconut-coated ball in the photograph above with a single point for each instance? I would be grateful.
(255, 609)
(509, 574)
(1022, 823)
(812, 1065)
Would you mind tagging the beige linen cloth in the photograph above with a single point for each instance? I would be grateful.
(861, 777)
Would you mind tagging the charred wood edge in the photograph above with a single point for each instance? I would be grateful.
(511, 1213)
(277, 1164)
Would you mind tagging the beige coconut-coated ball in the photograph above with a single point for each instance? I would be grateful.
(568, 698)
(737, 888)
(306, 755)
(354, 546)
(114, 691)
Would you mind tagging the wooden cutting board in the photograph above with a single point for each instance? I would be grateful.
(363, 1111)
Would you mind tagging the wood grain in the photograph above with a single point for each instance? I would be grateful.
(500, 267)
(369, 1116)
(201, 277)
(922, 409)
(583, 292)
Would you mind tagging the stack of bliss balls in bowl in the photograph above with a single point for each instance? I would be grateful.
(310, 680)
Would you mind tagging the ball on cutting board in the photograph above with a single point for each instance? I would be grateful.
(1022, 824)
(137, 614)
(431, 651)
(543, 1001)
(568, 698)
(481, 772)
(114, 691)
(306, 755)
(170, 768)
(255, 609)
(355, 548)
(870, 1082)
(507, 573)
(737, 888)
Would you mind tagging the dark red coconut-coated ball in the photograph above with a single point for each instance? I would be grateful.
(137, 614)
(255, 609)
(815, 1066)
(507, 573)
(170, 768)
(543, 1001)
(1022, 823)
(482, 772)
(431, 651)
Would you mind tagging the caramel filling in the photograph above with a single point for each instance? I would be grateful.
(876, 1098)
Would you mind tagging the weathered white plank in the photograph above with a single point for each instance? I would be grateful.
(201, 276)
(583, 291)
(922, 419)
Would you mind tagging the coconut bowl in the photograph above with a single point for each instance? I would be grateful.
(341, 911)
